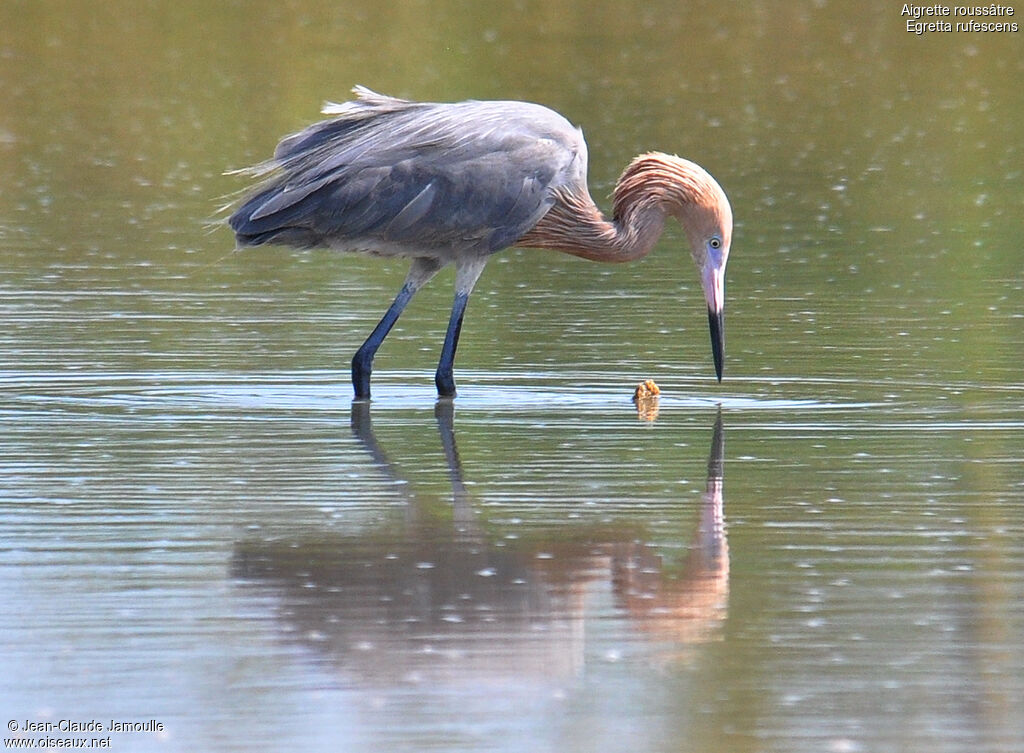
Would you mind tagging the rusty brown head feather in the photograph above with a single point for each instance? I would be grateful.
(654, 186)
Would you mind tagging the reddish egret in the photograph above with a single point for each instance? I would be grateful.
(455, 183)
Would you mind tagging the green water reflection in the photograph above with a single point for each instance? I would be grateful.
(876, 174)
(173, 410)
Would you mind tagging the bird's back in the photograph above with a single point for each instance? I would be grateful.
(395, 177)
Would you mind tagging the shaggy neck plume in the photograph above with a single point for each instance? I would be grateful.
(653, 186)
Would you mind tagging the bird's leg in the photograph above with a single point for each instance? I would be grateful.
(466, 274)
(362, 362)
(444, 379)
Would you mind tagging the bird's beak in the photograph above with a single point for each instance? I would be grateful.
(713, 281)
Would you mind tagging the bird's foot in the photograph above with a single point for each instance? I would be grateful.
(361, 370)
(445, 384)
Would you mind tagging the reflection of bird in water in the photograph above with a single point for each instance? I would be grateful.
(690, 607)
(373, 600)
(454, 183)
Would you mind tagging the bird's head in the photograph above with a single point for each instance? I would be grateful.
(657, 185)
(691, 195)
(707, 220)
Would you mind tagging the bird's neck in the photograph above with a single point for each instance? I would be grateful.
(574, 225)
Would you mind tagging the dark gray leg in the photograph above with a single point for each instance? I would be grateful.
(362, 362)
(444, 379)
(467, 272)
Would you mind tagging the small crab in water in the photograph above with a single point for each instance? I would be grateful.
(645, 396)
(646, 389)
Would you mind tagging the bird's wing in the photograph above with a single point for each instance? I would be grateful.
(404, 177)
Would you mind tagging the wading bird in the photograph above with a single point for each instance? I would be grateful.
(454, 183)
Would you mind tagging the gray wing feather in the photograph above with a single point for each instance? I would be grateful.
(410, 177)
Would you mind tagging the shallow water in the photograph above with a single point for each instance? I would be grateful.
(527, 568)
(199, 527)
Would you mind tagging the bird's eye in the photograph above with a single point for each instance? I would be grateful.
(715, 243)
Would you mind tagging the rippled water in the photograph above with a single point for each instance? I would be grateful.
(530, 566)
(200, 528)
